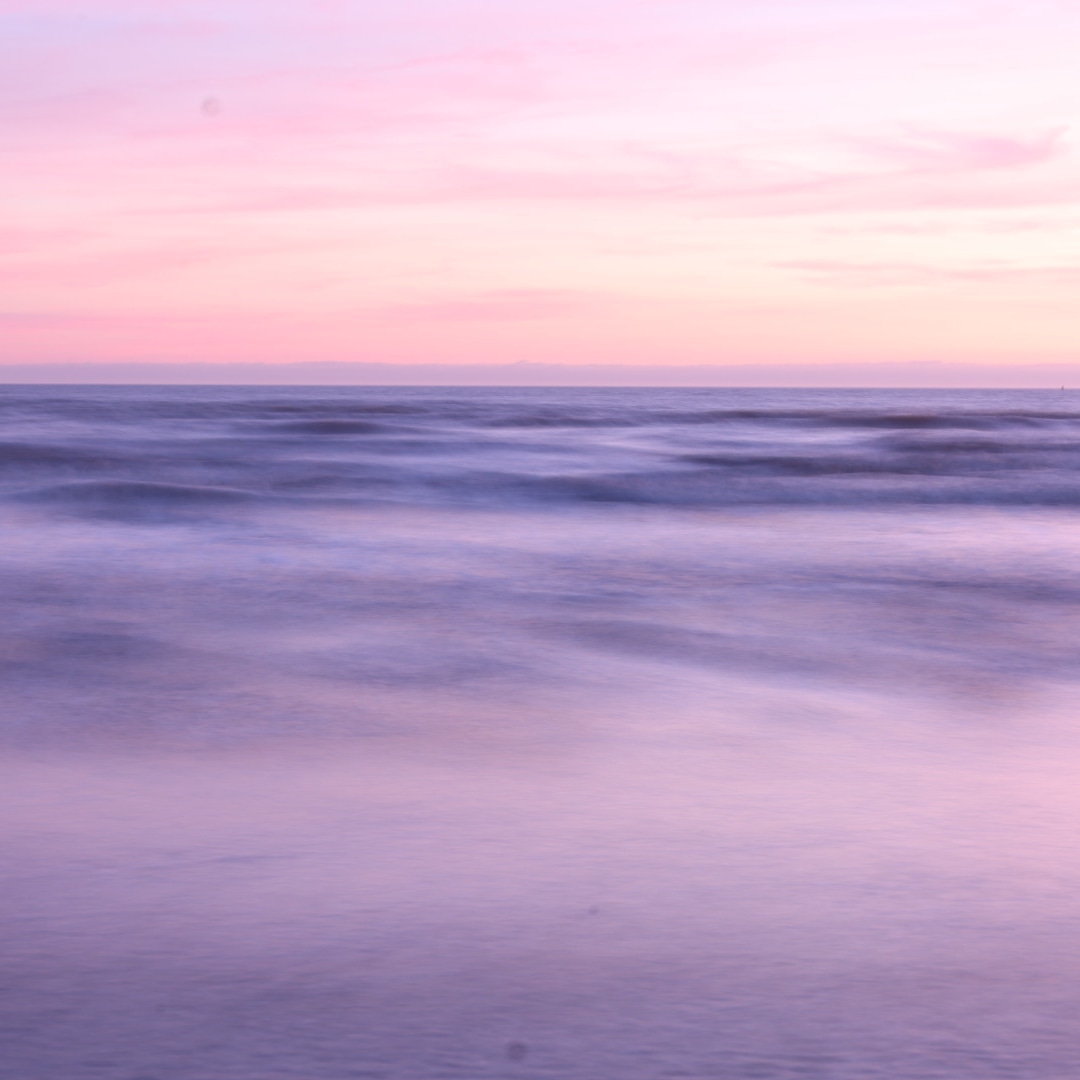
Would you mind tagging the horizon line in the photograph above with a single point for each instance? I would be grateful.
(909, 374)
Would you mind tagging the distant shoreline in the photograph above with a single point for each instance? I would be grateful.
(876, 376)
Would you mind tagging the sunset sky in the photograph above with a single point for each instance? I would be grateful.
(565, 181)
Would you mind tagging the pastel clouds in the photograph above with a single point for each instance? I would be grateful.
(570, 181)
(950, 151)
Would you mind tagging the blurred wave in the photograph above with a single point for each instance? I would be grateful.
(539, 447)
(507, 735)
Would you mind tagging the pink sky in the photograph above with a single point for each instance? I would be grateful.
(460, 181)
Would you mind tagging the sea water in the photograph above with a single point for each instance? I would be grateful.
(490, 734)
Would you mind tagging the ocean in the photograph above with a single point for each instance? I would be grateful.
(539, 734)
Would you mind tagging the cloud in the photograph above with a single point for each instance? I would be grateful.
(31, 320)
(878, 274)
(500, 305)
(951, 151)
(465, 164)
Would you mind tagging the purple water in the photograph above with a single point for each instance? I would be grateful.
(539, 734)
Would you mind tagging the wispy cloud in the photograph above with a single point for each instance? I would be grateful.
(951, 151)
(500, 305)
(877, 274)
(481, 167)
